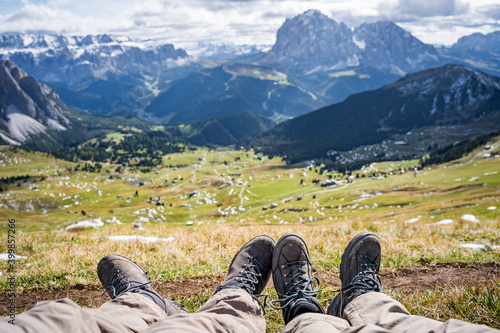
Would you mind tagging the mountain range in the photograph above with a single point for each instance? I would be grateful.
(315, 63)
(72, 60)
(320, 62)
(324, 62)
(452, 95)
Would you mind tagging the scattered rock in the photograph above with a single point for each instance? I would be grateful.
(442, 222)
(141, 239)
(483, 247)
(469, 218)
(5, 256)
(96, 223)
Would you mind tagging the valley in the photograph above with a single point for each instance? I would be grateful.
(110, 144)
(68, 217)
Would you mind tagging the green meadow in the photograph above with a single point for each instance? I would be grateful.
(203, 205)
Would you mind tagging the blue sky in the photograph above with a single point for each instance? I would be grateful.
(185, 22)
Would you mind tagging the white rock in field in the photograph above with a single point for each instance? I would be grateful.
(491, 208)
(413, 220)
(141, 239)
(476, 246)
(95, 223)
(189, 223)
(442, 222)
(469, 218)
(5, 256)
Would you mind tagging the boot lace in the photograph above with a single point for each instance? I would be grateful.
(300, 287)
(367, 280)
(120, 284)
(248, 279)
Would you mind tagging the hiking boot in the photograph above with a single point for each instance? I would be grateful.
(250, 268)
(293, 279)
(358, 271)
(119, 275)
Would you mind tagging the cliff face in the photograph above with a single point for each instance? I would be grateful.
(27, 107)
(313, 42)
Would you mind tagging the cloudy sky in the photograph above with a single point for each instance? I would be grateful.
(185, 22)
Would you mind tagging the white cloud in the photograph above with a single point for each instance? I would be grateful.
(430, 8)
(185, 22)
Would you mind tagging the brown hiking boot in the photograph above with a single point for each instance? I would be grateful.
(293, 279)
(119, 275)
(358, 271)
(250, 269)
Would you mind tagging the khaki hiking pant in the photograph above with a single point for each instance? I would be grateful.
(230, 310)
(375, 312)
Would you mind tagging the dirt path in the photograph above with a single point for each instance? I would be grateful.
(480, 154)
(404, 280)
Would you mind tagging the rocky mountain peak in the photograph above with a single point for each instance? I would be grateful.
(27, 107)
(388, 46)
(478, 41)
(446, 78)
(312, 41)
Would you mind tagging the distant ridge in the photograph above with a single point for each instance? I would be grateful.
(71, 60)
(449, 95)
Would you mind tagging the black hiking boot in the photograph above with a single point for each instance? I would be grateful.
(358, 271)
(119, 275)
(250, 268)
(293, 279)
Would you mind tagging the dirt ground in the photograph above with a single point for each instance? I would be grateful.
(414, 279)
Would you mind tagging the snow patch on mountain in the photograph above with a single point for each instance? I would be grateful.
(9, 140)
(223, 51)
(359, 43)
(54, 124)
(21, 126)
(75, 59)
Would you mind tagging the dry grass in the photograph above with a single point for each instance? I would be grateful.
(56, 258)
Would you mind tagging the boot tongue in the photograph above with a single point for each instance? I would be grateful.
(301, 307)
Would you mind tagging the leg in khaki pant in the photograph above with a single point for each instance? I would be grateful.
(381, 310)
(130, 312)
(359, 307)
(137, 307)
(230, 310)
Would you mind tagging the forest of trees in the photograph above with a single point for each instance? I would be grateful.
(144, 149)
(456, 150)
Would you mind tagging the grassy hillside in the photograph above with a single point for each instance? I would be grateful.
(425, 220)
